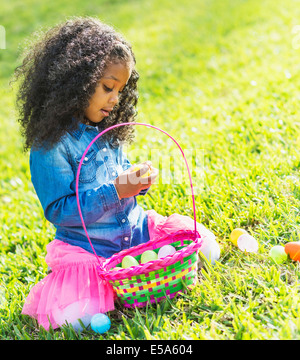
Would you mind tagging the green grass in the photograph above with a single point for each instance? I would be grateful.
(221, 76)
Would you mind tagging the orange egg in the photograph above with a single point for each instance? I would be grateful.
(293, 250)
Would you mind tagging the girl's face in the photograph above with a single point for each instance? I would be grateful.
(106, 95)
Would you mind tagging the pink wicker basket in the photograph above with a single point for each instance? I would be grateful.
(155, 280)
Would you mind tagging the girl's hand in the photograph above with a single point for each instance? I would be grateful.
(130, 183)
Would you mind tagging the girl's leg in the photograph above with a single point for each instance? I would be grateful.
(73, 290)
(83, 309)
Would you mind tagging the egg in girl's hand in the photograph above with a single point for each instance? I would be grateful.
(148, 255)
(129, 261)
(138, 167)
(166, 250)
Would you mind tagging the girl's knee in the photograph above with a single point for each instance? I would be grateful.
(82, 309)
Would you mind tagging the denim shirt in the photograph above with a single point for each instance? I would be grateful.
(112, 224)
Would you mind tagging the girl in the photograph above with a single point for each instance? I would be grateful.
(78, 80)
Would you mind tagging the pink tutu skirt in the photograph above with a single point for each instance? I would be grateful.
(74, 289)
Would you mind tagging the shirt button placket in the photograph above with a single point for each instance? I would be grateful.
(109, 164)
(126, 238)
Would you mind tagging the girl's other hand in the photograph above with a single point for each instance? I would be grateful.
(131, 182)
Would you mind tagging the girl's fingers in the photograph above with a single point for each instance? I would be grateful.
(151, 178)
(144, 170)
(131, 169)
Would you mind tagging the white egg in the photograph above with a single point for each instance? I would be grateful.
(211, 250)
(247, 243)
(166, 250)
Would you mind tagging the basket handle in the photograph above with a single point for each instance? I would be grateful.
(87, 149)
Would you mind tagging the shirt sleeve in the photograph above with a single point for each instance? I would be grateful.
(54, 182)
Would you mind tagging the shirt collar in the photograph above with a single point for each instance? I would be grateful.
(77, 133)
(81, 128)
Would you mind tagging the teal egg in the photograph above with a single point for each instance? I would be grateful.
(100, 323)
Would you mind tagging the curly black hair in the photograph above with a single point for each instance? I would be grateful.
(59, 74)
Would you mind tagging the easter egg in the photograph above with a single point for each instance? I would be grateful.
(114, 269)
(148, 255)
(235, 234)
(247, 243)
(278, 254)
(166, 250)
(138, 167)
(100, 323)
(293, 250)
(211, 250)
(128, 261)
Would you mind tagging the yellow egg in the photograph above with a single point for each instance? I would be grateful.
(235, 234)
(138, 167)
(115, 269)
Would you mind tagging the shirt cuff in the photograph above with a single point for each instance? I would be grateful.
(144, 192)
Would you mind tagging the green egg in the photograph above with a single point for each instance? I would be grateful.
(128, 261)
(278, 254)
(148, 255)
